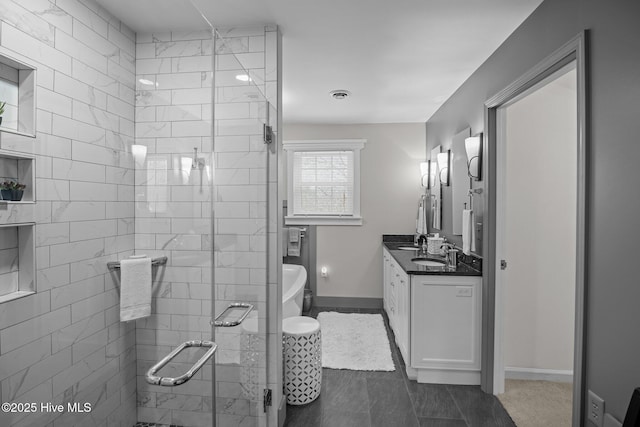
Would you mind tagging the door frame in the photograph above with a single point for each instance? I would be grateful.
(574, 50)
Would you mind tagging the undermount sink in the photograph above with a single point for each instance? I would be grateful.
(408, 248)
(428, 262)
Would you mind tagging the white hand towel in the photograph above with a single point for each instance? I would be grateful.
(293, 247)
(420, 226)
(135, 288)
(468, 232)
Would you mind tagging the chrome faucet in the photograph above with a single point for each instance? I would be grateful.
(450, 255)
(417, 238)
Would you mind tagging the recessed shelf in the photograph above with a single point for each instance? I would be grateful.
(17, 261)
(21, 168)
(18, 90)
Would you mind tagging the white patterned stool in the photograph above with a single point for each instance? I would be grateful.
(302, 359)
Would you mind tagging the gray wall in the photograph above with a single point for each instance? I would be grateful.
(389, 194)
(613, 350)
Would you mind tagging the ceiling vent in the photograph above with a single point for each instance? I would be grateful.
(340, 94)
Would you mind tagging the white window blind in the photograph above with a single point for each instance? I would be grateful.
(323, 183)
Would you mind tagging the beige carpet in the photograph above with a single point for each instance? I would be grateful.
(538, 403)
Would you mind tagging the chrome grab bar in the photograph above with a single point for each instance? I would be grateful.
(113, 265)
(151, 378)
(248, 307)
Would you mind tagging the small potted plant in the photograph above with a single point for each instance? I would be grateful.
(2, 105)
(12, 190)
(5, 190)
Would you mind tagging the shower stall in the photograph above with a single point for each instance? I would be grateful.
(206, 196)
(162, 144)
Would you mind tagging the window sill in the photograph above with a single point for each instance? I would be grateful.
(322, 220)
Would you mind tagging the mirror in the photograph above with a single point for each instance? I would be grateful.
(434, 192)
(460, 182)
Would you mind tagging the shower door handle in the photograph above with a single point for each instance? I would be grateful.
(152, 378)
(248, 307)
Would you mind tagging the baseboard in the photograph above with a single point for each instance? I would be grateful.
(347, 302)
(556, 375)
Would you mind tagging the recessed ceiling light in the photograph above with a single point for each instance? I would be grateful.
(147, 82)
(340, 94)
(243, 77)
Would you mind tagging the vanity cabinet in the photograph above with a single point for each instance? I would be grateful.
(446, 320)
(436, 320)
(396, 302)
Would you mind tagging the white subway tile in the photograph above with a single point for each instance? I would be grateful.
(154, 66)
(95, 78)
(120, 108)
(33, 329)
(50, 13)
(190, 64)
(80, 91)
(52, 277)
(52, 234)
(121, 74)
(190, 96)
(179, 113)
(83, 230)
(52, 189)
(92, 191)
(77, 211)
(178, 49)
(191, 128)
(179, 80)
(78, 171)
(123, 39)
(80, 12)
(76, 130)
(80, 52)
(65, 337)
(26, 45)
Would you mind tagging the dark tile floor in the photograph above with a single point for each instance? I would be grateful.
(390, 399)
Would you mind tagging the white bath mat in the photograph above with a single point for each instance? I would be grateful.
(354, 341)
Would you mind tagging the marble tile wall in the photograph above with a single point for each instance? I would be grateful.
(173, 113)
(65, 343)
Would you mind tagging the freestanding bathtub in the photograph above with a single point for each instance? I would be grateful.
(294, 277)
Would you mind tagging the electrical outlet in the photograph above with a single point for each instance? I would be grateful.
(595, 408)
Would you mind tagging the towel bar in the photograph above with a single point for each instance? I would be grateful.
(114, 265)
(151, 378)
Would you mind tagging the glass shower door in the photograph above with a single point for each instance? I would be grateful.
(245, 178)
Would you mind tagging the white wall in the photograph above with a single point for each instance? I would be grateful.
(390, 189)
(540, 226)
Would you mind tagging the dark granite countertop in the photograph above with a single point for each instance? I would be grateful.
(472, 266)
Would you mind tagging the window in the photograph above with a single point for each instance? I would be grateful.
(324, 182)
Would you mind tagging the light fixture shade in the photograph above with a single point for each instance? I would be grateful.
(424, 174)
(473, 147)
(139, 154)
(443, 167)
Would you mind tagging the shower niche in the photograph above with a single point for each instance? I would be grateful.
(17, 90)
(17, 261)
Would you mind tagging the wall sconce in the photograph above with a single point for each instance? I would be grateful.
(473, 147)
(443, 167)
(424, 174)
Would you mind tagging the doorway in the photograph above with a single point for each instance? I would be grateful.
(535, 231)
(536, 235)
